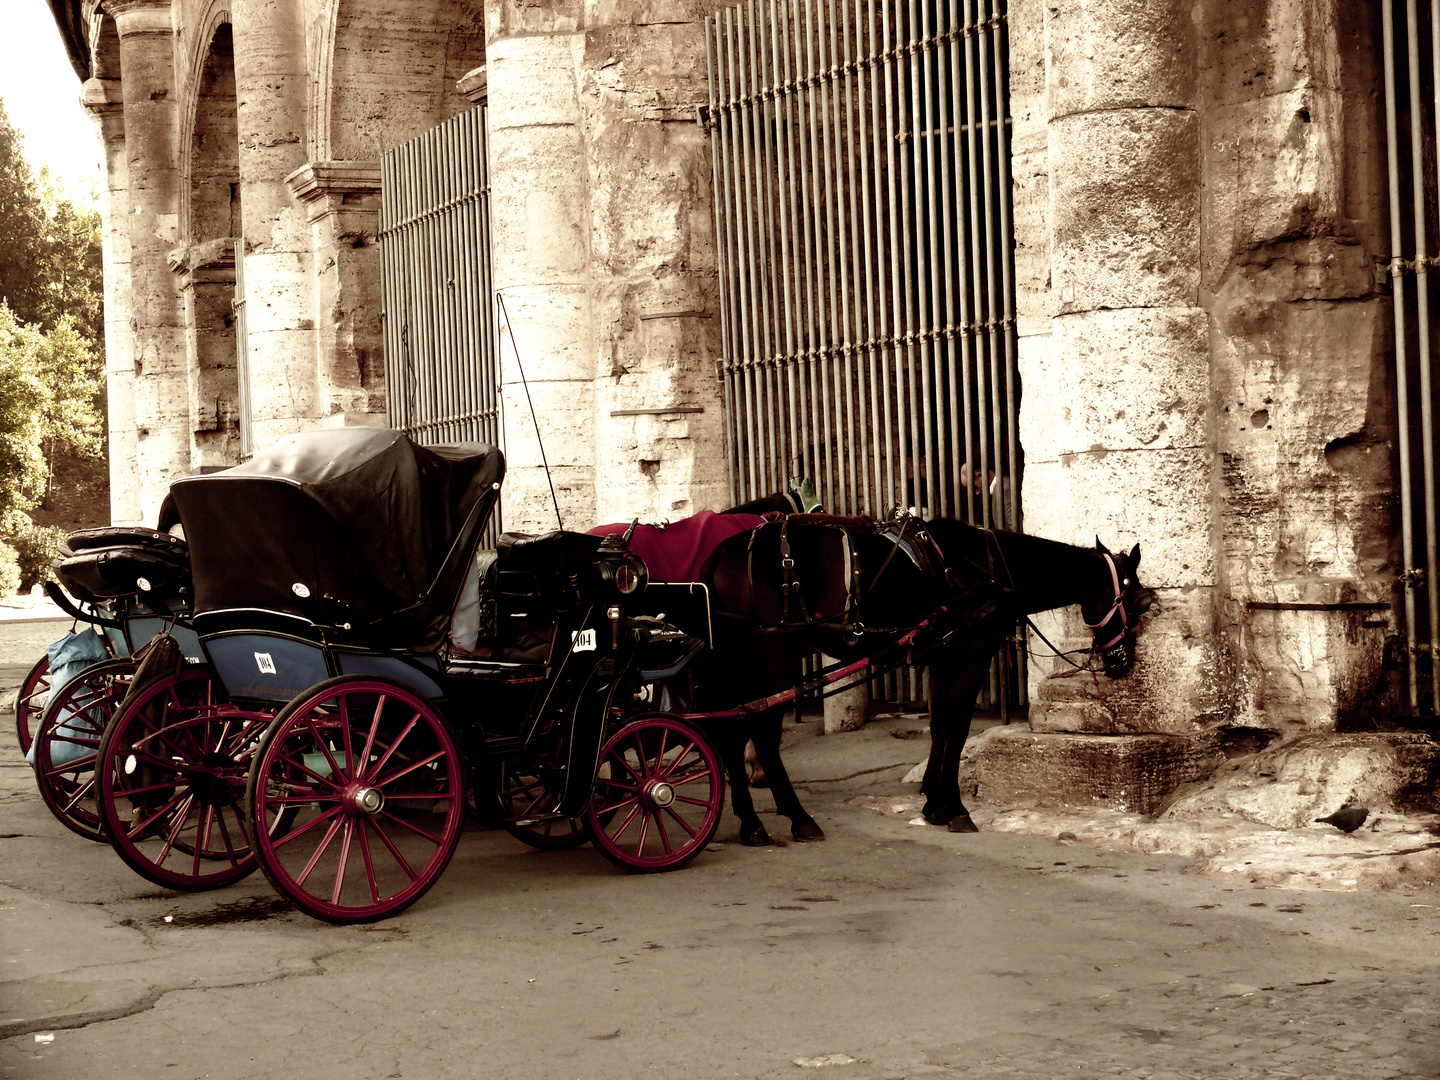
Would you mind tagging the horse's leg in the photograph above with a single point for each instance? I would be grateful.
(731, 744)
(766, 736)
(952, 703)
(753, 772)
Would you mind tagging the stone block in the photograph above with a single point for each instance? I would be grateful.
(1127, 379)
(1025, 21)
(1275, 168)
(1158, 498)
(533, 81)
(540, 204)
(1010, 768)
(1119, 54)
(526, 501)
(1030, 196)
(1291, 783)
(552, 328)
(1125, 207)
(1183, 678)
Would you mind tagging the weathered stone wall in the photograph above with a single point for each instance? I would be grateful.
(604, 255)
(1203, 353)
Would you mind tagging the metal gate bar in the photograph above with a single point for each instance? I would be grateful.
(863, 222)
(436, 284)
(1411, 88)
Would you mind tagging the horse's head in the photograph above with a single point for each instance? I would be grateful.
(1113, 612)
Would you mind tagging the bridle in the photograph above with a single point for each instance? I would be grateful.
(1117, 607)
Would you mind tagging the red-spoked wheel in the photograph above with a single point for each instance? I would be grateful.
(658, 796)
(30, 704)
(67, 740)
(530, 795)
(170, 778)
(376, 783)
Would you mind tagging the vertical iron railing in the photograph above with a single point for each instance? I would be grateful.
(1412, 129)
(861, 154)
(440, 365)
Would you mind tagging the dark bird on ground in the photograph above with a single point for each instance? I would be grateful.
(1347, 818)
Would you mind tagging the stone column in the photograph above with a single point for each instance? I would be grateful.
(1115, 416)
(102, 97)
(540, 221)
(1295, 214)
(287, 391)
(660, 418)
(209, 290)
(604, 257)
(162, 406)
(342, 204)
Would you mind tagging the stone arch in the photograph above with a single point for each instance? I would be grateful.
(393, 68)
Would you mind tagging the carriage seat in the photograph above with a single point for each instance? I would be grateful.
(108, 563)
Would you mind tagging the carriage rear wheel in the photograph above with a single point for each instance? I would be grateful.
(530, 795)
(67, 739)
(34, 692)
(376, 783)
(658, 796)
(169, 780)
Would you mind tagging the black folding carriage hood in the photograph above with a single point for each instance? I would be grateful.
(346, 525)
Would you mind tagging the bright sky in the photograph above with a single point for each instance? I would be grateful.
(42, 95)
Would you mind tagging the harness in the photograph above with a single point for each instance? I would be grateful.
(1117, 606)
(790, 587)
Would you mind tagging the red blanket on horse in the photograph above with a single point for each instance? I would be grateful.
(675, 551)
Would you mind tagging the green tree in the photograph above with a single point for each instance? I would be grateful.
(22, 401)
(22, 228)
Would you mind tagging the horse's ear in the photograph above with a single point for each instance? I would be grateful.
(1101, 547)
(1134, 556)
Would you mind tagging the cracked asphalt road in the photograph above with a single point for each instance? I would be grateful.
(889, 951)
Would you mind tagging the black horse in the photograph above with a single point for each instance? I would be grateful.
(941, 593)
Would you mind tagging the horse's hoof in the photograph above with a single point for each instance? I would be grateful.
(756, 838)
(807, 832)
(962, 823)
(937, 817)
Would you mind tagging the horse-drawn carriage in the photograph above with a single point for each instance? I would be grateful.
(361, 672)
(359, 679)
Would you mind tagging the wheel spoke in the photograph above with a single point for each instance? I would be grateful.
(319, 849)
(624, 825)
(202, 837)
(381, 782)
(225, 837)
(344, 858)
(136, 828)
(395, 853)
(335, 769)
(412, 827)
(82, 791)
(670, 810)
(369, 865)
(300, 830)
(177, 825)
(394, 745)
(660, 828)
(288, 760)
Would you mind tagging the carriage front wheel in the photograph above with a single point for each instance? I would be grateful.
(30, 702)
(67, 739)
(375, 782)
(658, 796)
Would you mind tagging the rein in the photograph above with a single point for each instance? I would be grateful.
(1118, 605)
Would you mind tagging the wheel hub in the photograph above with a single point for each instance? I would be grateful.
(368, 800)
(661, 794)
